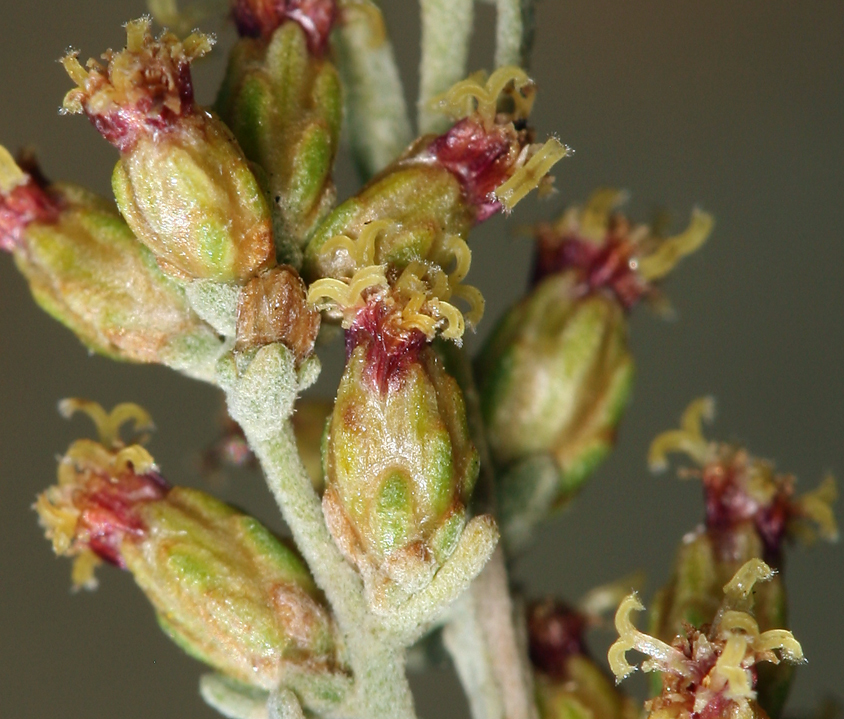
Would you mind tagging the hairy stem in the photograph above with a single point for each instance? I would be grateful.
(483, 637)
(381, 688)
(379, 126)
(446, 31)
(513, 32)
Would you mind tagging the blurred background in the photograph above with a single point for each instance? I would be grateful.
(735, 107)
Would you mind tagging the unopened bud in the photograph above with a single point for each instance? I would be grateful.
(182, 182)
(283, 101)
(396, 490)
(556, 374)
(86, 269)
(273, 307)
(223, 587)
(261, 18)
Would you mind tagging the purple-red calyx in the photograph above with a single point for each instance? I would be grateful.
(555, 633)
(390, 346)
(609, 265)
(108, 509)
(729, 502)
(28, 202)
(481, 157)
(261, 18)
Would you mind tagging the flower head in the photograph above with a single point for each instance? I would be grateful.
(740, 488)
(708, 672)
(609, 253)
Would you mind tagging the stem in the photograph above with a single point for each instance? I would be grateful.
(514, 32)
(300, 506)
(379, 126)
(446, 31)
(483, 638)
(380, 683)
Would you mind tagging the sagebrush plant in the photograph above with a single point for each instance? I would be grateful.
(226, 253)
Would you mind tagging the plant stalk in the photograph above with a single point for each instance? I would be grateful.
(381, 687)
(483, 636)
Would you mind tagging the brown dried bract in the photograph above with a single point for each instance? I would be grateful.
(272, 307)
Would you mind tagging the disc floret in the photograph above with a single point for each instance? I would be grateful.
(710, 670)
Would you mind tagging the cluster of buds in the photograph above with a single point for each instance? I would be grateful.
(86, 269)
(186, 189)
(388, 264)
(223, 587)
(282, 99)
(751, 510)
(709, 670)
(556, 374)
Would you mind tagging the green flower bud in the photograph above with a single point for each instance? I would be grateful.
(283, 101)
(399, 463)
(555, 378)
(223, 587)
(751, 511)
(709, 670)
(182, 182)
(556, 374)
(86, 269)
(443, 185)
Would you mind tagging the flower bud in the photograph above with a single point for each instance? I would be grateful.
(182, 182)
(283, 101)
(555, 375)
(751, 511)
(223, 587)
(569, 684)
(86, 269)
(399, 463)
(443, 185)
(709, 670)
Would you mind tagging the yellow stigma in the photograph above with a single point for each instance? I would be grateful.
(671, 250)
(479, 94)
(422, 292)
(108, 424)
(532, 173)
(663, 656)
(688, 439)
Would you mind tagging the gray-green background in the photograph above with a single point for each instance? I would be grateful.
(736, 106)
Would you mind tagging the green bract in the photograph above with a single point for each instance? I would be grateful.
(191, 197)
(230, 593)
(88, 271)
